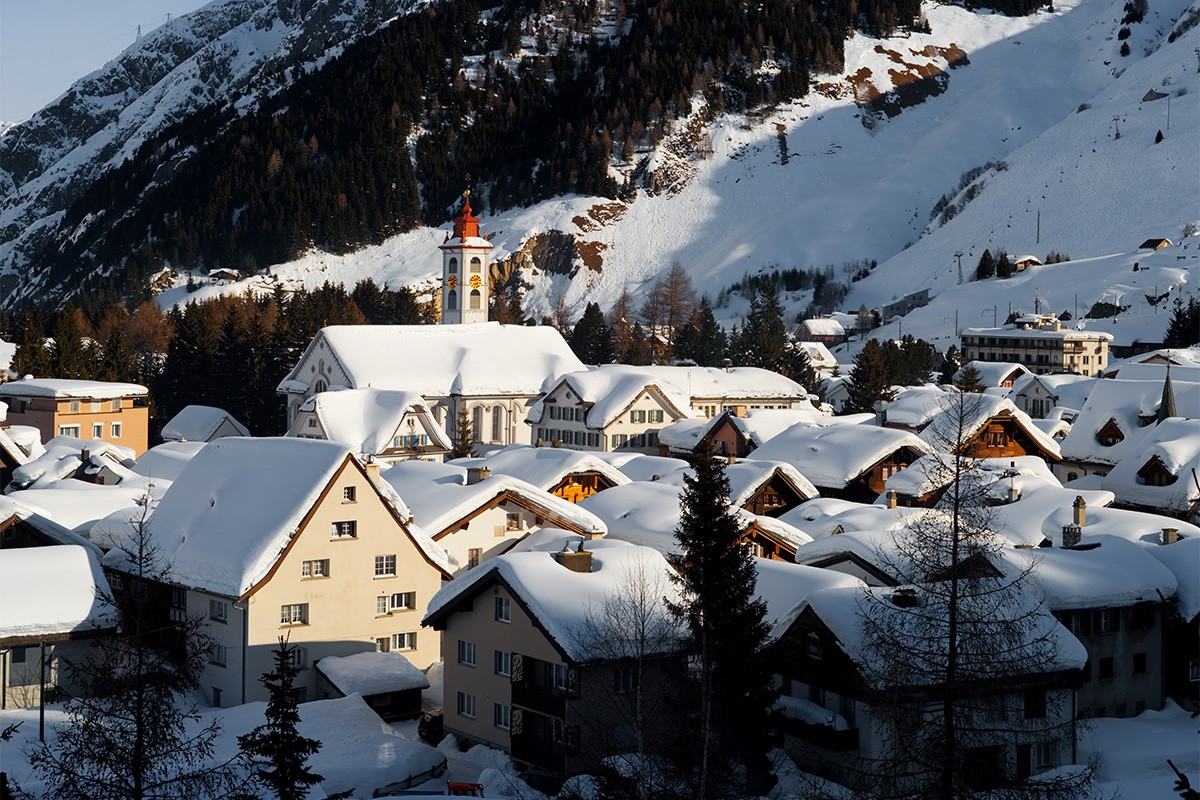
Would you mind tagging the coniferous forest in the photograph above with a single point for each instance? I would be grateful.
(383, 137)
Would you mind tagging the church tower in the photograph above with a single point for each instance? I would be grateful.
(465, 270)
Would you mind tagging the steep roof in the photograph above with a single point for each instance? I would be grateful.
(235, 507)
(52, 591)
(368, 419)
(1175, 442)
(611, 388)
(1126, 403)
(198, 423)
(977, 410)
(748, 476)
(543, 467)
(834, 455)
(441, 360)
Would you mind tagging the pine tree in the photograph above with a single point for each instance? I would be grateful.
(1184, 328)
(986, 267)
(702, 339)
(951, 364)
(969, 380)
(870, 381)
(728, 630)
(765, 339)
(277, 747)
(1004, 267)
(802, 371)
(464, 435)
(70, 358)
(590, 339)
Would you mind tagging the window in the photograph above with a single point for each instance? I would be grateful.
(557, 676)
(116, 430)
(297, 657)
(97, 430)
(1035, 704)
(1045, 754)
(293, 614)
(404, 641)
(315, 569)
(1139, 664)
(619, 440)
(116, 404)
(466, 653)
(625, 678)
(474, 556)
(503, 662)
(453, 266)
(637, 416)
(476, 265)
(812, 645)
(476, 300)
(349, 494)
(18, 655)
(1108, 620)
(503, 609)
(216, 694)
(312, 422)
(1193, 671)
(218, 610)
(385, 566)
(404, 601)
(219, 655)
(68, 430)
(178, 604)
(345, 530)
(501, 716)
(512, 522)
(74, 406)
(1106, 668)
(497, 423)
(466, 704)
(656, 416)
(383, 644)
(381, 605)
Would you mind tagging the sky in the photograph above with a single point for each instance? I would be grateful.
(46, 45)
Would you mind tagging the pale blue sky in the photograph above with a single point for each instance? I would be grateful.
(46, 45)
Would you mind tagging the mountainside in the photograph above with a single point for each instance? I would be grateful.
(850, 172)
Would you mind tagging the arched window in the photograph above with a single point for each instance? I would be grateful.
(451, 300)
(498, 424)
(476, 264)
(320, 386)
(454, 266)
(476, 299)
(477, 423)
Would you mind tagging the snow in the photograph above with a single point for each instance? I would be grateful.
(63, 456)
(810, 712)
(1132, 753)
(934, 471)
(11, 507)
(8, 350)
(915, 406)
(52, 591)
(607, 391)
(1126, 403)
(758, 425)
(564, 602)
(369, 419)
(372, 673)
(164, 462)
(993, 373)
(544, 467)
(1175, 442)
(1183, 559)
(783, 587)
(834, 455)
(944, 429)
(748, 476)
(63, 387)
(198, 424)
(440, 360)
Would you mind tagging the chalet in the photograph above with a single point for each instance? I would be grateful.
(569, 474)
(388, 682)
(1036, 395)
(914, 407)
(114, 412)
(53, 601)
(1022, 263)
(202, 424)
(22, 526)
(767, 488)
(224, 275)
(286, 537)
(925, 481)
(475, 515)
(1154, 243)
(377, 424)
(68, 458)
(1157, 474)
(986, 426)
(1041, 344)
(733, 435)
(822, 361)
(492, 373)
(995, 374)
(821, 329)
(851, 462)
(530, 667)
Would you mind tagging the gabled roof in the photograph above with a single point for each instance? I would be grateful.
(1127, 402)
(543, 467)
(1175, 442)
(564, 604)
(368, 419)
(824, 326)
(977, 410)
(167, 460)
(758, 425)
(915, 406)
(936, 470)
(12, 509)
(607, 392)
(748, 476)
(818, 355)
(1068, 389)
(835, 455)
(441, 360)
(235, 507)
(994, 373)
(198, 424)
(52, 592)
(63, 457)
(1176, 356)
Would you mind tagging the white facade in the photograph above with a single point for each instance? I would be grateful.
(465, 271)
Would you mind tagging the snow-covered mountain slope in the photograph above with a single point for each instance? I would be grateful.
(850, 191)
(228, 51)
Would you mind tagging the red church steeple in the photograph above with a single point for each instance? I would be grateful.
(466, 226)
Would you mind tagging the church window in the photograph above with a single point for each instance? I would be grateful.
(497, 423)
(453, 266)
(476, 299)
(476, 265)
(477, 423)
(452, 300)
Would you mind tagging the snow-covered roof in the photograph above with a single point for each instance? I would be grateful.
(1114, 573)
(440, 360)
(758, 425)
(78, 505)
(1071, 390)
(64, 387)
(1157, 372)
(936, 470)
(748, 476)
(26, 437)
(1056, 428)
(167, 460)
(372, 673)
(199, 423)
(439, 497)
(1175, 443)
(11, 507)
(682, 435)
(824, 326)
(63, 456)
(52, 591)
(8, 351)
(994, 373)
(233, 509)
(834, 455)
(1125, 403)
(369, 419)
(642, 467)
(915, 406)
(944, 429)
(826, 516)
(1176, 356)
(544, 467)
(1183, 559)
(1013, 332)
(818, 355)
(783, 587)
(565, 604)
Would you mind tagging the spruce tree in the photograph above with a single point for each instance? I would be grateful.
(1184, 328)
(464, 435)
(986, 267)
(871, 380)
(734, 688)
(968, 380)
(802, 371)
(950, 364)
(765, 336)
(590, 339)
(1004, 267)
(276, 747)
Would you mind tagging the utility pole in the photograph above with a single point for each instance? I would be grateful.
(139, 33)
(1117, 125)
(1168, 112)
(1039, 214)
(959, 254)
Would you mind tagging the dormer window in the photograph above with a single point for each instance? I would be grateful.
(1155, 473)
(1110, 434)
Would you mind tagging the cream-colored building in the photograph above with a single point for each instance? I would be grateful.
(270, 538)
(1040, 343)
(113, 412)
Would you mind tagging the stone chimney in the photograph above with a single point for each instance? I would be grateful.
(727, 364)
(891, 498)
(1170, 535)
(371, 467)
(1071, 536)
(477, 474)
(881, 407)
(578, 560)
(1080, 518)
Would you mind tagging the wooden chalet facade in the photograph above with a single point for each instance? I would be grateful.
(579, 485)
(870, 483)
(1004, 436)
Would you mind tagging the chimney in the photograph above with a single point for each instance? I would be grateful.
(891, 498)
(578, 560)
(727, 364)
(84, 455)
(732, 458)
(371, 467)
(1071, 535)
(1170, 535)
(477, 474)
(1080, 518)
(881, 407)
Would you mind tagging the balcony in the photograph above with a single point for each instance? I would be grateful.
(822, 735)
(550, 703)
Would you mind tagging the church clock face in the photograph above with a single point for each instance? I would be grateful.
(476, 281)
(452, 281)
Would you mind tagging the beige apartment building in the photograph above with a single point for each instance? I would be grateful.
(113, 412)
(1040, 343)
